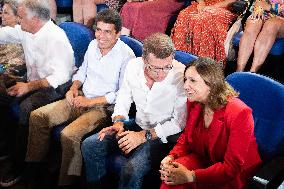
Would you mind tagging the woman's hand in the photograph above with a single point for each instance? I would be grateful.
(177, 174)
(258, 13)
(259, 8)
(166, 161)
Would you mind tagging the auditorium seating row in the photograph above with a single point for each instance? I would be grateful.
(264, 95)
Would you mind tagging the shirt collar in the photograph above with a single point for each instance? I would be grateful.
(43, 29)
(115, 48)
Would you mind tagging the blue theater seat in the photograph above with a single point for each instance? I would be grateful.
(277, 48)
(184, 57)
(134, 44)
(266, 98)
(79, 36)
(65, 6)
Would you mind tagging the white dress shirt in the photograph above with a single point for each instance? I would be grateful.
(102, 75)
(48, 53)
(163, 107)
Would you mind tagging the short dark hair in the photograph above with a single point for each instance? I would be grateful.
(110, 17)
(212, 74)
(158, 44)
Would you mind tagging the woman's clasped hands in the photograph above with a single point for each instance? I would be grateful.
(174, 173)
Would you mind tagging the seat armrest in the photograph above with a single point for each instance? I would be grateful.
(173, 138)
(271, 175)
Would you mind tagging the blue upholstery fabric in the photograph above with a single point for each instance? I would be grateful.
(277, 48)
(134, 44)
(266, 98)
(184, 57)
(101, 7)
(64, 3)
(79, 36)
(67, 4)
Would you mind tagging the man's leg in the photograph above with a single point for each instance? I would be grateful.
(27, 105)
(71, 138)
(135, 168)
(42, 120)
(146, 157)
(95, 154)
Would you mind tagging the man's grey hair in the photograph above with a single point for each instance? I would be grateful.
(13, 4)
(37, 8)
(159, 45)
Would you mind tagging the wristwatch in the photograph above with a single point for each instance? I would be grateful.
(148, 135)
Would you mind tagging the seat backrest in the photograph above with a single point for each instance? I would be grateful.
(101, 7)
(184, 57)
(134, 44)
(79, 36)
(64, 3)
(266, 98)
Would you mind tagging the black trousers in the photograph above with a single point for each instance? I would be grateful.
(16, 128)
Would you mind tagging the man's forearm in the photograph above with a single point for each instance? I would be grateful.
(100, 100)
(38, 84)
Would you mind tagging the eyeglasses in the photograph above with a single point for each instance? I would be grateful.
(165, 69)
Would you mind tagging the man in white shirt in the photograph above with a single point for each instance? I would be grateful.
(50, 64)
(155, 84)
(100, 77)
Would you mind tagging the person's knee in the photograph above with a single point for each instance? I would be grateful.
(67, 136)
(252, 27)
(136, 169)
(89, 144)
(37, 116)
(271, 25)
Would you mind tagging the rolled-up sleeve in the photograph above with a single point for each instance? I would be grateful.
(178, 119)
(111, 97)
(61, 59)
(82, 71)
(124, 98)
(177, 123)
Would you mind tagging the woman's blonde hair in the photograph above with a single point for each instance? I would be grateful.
(212, 74)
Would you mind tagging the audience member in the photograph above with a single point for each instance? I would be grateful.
(218, 148)
(262, 28)
(100, 77)
(85, 11)
(201, 28)
(12, 55)
(141, 19)
(154, 84)
(13, 64)
(50, 64)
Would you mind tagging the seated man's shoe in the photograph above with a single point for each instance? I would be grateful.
(10, 178)
(4, 157)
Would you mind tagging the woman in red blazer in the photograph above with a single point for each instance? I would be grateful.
(218, 148)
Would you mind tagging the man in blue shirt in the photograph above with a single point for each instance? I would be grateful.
(99, 77)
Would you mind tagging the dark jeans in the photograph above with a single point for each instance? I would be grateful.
(134, 167)
(25, 105)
